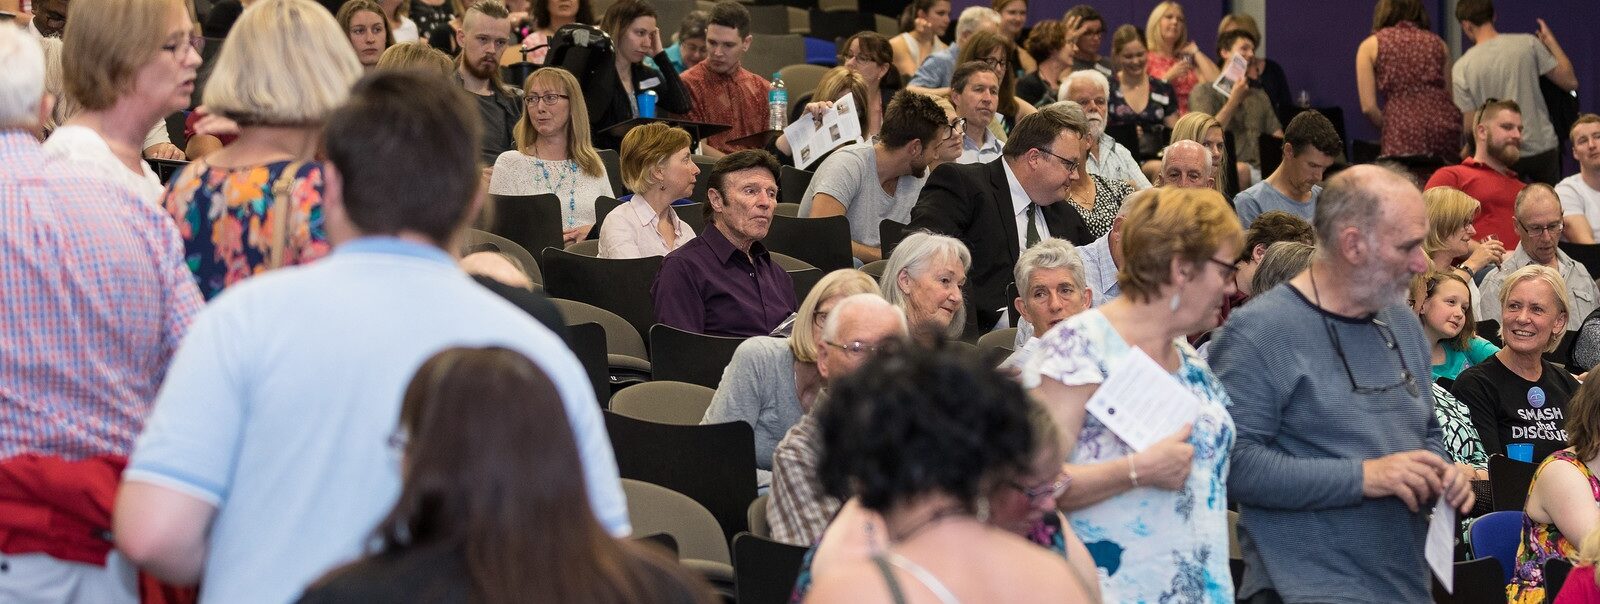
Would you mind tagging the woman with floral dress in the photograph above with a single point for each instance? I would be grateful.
(1155, 521)
(1561, 506)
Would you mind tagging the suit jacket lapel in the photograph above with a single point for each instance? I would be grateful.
(1002, 200)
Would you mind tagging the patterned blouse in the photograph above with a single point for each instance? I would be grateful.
(1108, 196)
(1149, 544)
(1460, 437)
(226, 217)
(1541, 542)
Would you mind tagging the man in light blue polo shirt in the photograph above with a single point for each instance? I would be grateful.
(266, 461)
(933, 76)
(1310, 145)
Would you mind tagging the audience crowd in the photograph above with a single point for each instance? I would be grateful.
(274, 323)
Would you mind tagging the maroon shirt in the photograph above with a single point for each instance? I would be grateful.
(708, 286)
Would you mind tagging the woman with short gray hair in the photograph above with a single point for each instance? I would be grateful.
(924, 277)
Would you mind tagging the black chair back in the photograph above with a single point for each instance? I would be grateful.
(695, 358)
(713, 464)
(1587, 254)
(602, 207)
(693, 215)
(821, 242)
(1271, 153)
(890, 234)
(792, 184)
(804, 280)
(1555, 575)
(764, 571)
(531, 221)
(613, 164)
(1476, 582)
(834, 26)
(701, 182)
(620, 286)
(588, 343)
(1508, 481)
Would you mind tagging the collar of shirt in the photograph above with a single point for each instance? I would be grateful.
(990, 143)
(647, 216)
(1019, 197)
(1520, 258)
(1105, 266)
(723, 249)
(395, 246)
(1478, 165)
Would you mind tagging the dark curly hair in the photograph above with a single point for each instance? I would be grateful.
(918, 419)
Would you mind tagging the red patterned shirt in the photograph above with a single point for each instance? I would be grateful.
(738, 100)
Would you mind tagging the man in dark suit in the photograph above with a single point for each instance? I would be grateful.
(1002, 207)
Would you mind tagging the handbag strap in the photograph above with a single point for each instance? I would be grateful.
(282, 207)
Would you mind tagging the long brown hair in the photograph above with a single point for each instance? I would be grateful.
(1583, 421)
(492, 471)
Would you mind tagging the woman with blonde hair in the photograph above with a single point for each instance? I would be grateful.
(553, 153)
(1174, 58)
(417, 55)
(256, 204)
(771, 382)
(1562, 504)
(1159, 507)
(1204, 129)
(1450, 237)
(1515, 396)
(129, 64)
(657, 166)
(364, 22)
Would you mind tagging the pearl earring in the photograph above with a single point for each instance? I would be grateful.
(1176, 300)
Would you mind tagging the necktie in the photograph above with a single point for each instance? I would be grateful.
(1033, 227)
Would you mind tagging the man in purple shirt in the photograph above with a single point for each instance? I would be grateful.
(724, 282)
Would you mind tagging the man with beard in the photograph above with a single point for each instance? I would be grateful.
(870, 183)
(1339, 454)
(974, 93)
(1310, 145)
(1005, 206)
(1538, 224)
(1107, 158)
(1487, 175)
(485, 32)
(1510, 66)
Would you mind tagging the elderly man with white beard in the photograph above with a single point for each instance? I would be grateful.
(1107, 158)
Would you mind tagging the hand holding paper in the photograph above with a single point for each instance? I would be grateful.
(811, 137)
(1141, 403)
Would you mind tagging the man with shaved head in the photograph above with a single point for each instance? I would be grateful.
(1339, 454)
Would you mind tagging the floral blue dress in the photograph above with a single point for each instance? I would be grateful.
(1149, 544)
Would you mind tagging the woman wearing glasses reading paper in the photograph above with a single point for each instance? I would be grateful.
(1156, 519)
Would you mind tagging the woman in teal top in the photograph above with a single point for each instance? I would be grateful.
(1444, 304)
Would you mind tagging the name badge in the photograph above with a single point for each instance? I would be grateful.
(653, 82)
(1160, 98)
(1102, 69)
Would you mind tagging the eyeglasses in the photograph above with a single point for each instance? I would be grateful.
(1389, 342)
(855, 347)
(1071, 164)
(1053, 490)
(993, 63)
(845, 57)
(1229, 269)
(956, 126)
(1553, 228)
(548, 99)
(197, 42)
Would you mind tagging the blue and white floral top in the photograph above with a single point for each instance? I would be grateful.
(1149, 544)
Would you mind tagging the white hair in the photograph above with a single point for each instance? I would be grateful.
(973, 18)
(22, 81)
(1095, 77)
(912, 257)
(1187, 144)
(867, 300)
(1049, 253)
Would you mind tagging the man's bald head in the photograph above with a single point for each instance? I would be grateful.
(1186, 164)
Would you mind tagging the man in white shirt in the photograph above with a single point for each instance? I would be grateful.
(975, 92)
(871, 183)
(1107, 158)
(1580, 193)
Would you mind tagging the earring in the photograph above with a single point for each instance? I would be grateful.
(1176, 300)
(981, 509)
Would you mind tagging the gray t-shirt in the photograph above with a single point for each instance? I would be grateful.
(1303, 432)
(1508, 66)
(758, 388)
(1253, 118)
(850, 175)
(1263, 197)
(499, 113)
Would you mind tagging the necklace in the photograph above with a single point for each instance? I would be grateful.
(566, 176)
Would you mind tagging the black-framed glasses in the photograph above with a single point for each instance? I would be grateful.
(1052, 489)
(956, 126)
(547, 99)
(1389, 342)
(1553, 228)
(1229, 269)
(993, 63)
(1071, 164)
(854, 347)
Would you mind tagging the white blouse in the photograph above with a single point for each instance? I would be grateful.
(517, 173)
(84, 147)
(631, 232)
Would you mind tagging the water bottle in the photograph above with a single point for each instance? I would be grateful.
(777, 103)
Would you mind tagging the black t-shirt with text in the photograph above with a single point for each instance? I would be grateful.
(1507, 409)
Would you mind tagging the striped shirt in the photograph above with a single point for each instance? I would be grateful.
(799, 510)
(94, 296)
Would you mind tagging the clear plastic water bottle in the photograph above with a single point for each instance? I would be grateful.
(777, 103)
